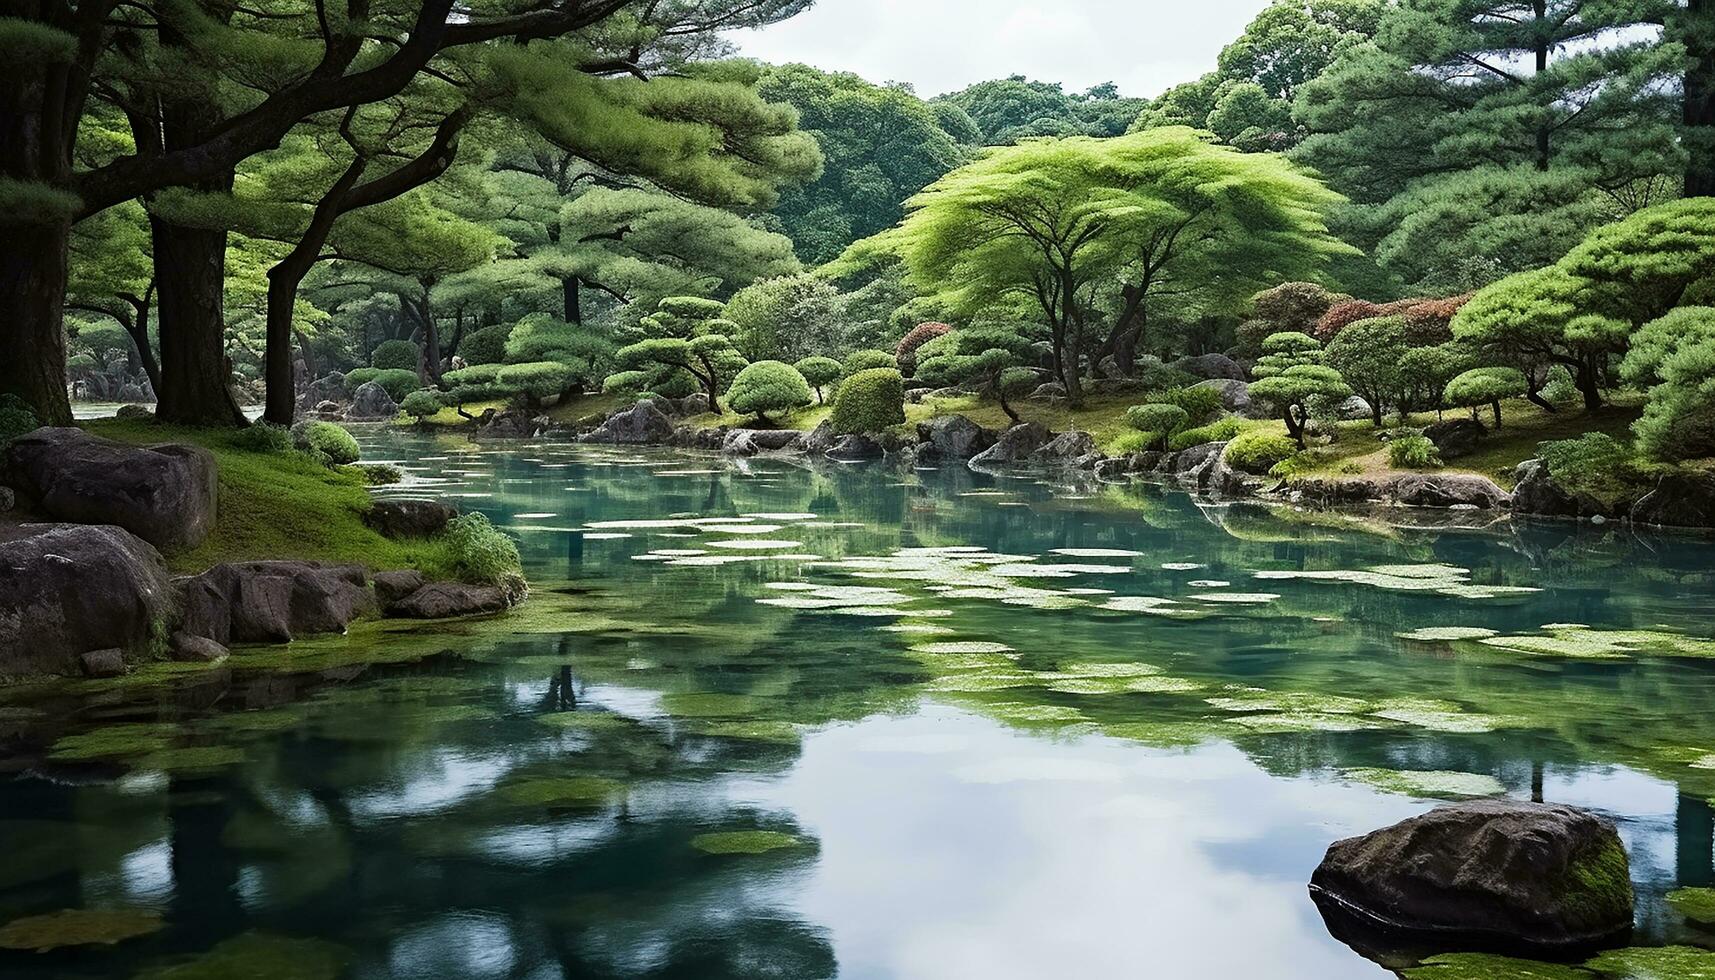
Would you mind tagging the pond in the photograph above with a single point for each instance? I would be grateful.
(760, 720)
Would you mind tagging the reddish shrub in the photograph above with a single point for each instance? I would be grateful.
(1429, 322)
(906, 353)
(1342, 315)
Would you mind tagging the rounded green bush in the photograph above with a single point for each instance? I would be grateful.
(1220, 431)
(768, 386)
(865, 360)
(1201, 405)
(328, 441)
(869, 401)
(422, 404)
(480, 554)
(536, 380)
(395, 355)
(1157, 417)
(485, 346)
(1413, 452)
(262, 437)
(1258, 450)
(819, 372)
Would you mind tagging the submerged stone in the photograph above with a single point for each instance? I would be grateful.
(78, 927)
(1525, 875)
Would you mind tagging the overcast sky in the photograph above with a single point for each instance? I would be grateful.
(942, 45)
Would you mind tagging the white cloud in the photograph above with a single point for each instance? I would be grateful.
(943, 45)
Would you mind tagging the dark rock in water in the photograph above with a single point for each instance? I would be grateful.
(640, 424)
(390, 587)
(196, 649)
(691, 437)
(273, 601)
(855, 448)
(1116, 468)
(749, 442)
(1454, 438)
(1493, 872)
(1679, 500)
(1014, 445)
(371, 402)
(1448, 490)
(328, 411)
(444, 600)
(405, 518)
(1325, 491)
(1211, 366)
(66, 589)
(952, 437)
(164, 494)
(1070, 448)
(326, 389)
(1537, 494)
(103, 663)
(820, 439)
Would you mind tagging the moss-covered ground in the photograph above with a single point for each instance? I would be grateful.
(281, 505)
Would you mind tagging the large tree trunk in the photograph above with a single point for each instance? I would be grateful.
(32, 329)
(190, 266)
(1697, 33)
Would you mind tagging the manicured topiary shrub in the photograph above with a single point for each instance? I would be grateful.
(395, 355)
(1258, 451)
(422, 404)
(819, 372)
(480, 554)
(16, 418)
(534, 381)
(485, 346)
(905, 355)
(397, 382)
(1486, 385)
(326, 441)
(1201, 405)
(261, 437)
(1413, 452)
(768, 386)
(869, 401)
(864, 360)
(1158, 420)
(1220, 431)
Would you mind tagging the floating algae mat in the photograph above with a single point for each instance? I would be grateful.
(775, 720)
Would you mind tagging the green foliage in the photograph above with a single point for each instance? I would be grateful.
(865, 360)
(1291, 376)
(1223, 430)
(401, 355)
(1675, 356)
(539, 337)
(1200, 405)
(326, 441)
(1258, 450)
(787, 318)
(397, 382)
(480, 554)
(422, 404)
(1486, 386)
(537, 380)
(1413, 451)
(1008, 110)
(709, 358)
(1160, 419)
(1597, 464)
(768, 386)
(818, 372)
(262, 437)
(485, 346)
(1368, 354)
(869, 401)
(16, 418)
(1291, 307)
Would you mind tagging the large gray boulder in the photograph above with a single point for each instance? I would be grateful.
(1070, 448)
(1679, 500)
(165, 494)
(1448, 490)
(1456, 437)
(330, 388)
(444, 600)
(272, 601)
(1535, 493)
(1235, 397)
(819, 440)
(640, 424)
(1536, 875)
(1013, 446)
(750, 442)
(514, 423)
(855, 448)
(371, 402)
(1211, 366)
(952, 437)
(68, 589)
(406, 518)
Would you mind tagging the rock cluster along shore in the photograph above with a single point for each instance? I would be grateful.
(1682, 501)
(85, 589)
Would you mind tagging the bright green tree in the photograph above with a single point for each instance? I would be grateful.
(988, 359)
(1487, 386)
(819, 373)
(1368, 354)
(1291, 377)
(1675, 356)
(765, 387)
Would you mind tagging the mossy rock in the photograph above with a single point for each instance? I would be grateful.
(1487, 966)
(78, 927)
(744, 841)
(1654, 963)
(1696, 904)
(563, 791)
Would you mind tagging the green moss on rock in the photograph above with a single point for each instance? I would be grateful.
(77, 927)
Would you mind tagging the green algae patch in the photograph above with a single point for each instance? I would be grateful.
(1655, 963)
(115, 741)
(1437, 784)
(191, 758)
(1582, 643)
(1446, 634)
(561, 791)
(744, 842)
(258, 956)
(751, 731)
(707, 704)
(78, 927)
(1696, 904)
(585, 720)
(1486, 966)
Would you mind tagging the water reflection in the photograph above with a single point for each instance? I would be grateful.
(944, 746)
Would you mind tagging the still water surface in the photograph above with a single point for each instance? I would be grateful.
(764, 721)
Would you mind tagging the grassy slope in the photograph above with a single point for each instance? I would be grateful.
(281, 505)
